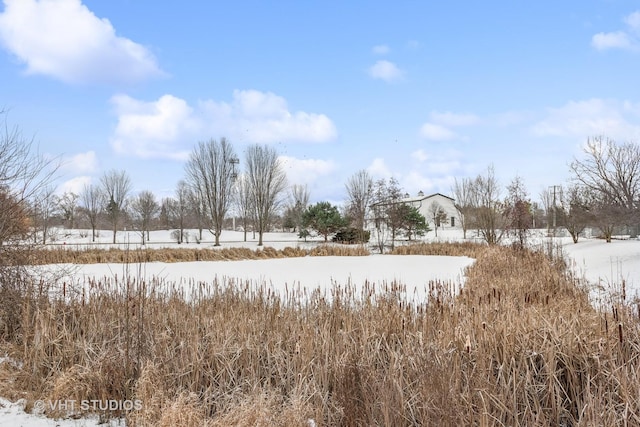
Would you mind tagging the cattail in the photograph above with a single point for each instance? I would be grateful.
(620, 332)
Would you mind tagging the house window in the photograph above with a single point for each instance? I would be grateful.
(453, 221)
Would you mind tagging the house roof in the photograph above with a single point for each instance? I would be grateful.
(417, 199)
(421, 198)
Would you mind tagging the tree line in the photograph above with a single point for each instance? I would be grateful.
(218, 188)
(603, 193)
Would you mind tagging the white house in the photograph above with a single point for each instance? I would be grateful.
(426, 205)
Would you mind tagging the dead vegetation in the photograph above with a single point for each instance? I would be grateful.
(71, 255)
(520, 345)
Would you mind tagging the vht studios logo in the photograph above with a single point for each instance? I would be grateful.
(87, 405)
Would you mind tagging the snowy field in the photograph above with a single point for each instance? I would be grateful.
(603, 264)
(282, 275)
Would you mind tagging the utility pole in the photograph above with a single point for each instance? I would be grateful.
(555, 189)
(234, 175)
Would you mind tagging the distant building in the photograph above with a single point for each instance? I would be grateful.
(424, 205)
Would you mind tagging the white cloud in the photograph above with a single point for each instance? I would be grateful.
(510, 118)
(381, 49)
(263, 117)
(420, 155)
(616, 40)
(169, 126)
(591, 117)
(379, 169)
(633, 21)
(623, 39)
(416, 181)
(153, 129)
(306, 171)
(385, 70)
(74, 185)
(439, 124)
(81, 162)
(451, 119)
(430, 171)
(65, 40)
(436, 132)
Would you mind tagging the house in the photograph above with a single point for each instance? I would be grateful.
(427, 204)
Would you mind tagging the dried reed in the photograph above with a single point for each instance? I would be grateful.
(519, 345)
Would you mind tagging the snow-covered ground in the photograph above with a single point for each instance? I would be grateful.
(300, 275)
(605, 265)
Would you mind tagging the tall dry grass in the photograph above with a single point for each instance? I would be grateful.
(71, 255)
(520, 345)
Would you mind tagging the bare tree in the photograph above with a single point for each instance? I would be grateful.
(180, 209)
(68, 205)
(267, 180)
(144, 208)
(488, 217)
(389, 212)
(576, 204)
(14, 218)
(244, 203)
(518, 212)
(463, 195)
(92, 200)
(612, 171)
(359, 196)
(44, 204)
(296, 206)
(550, 207)
(606, 216)
(116, 186)
(438, 215)
(379, 202)
(23, 174)
(198, 209)
(211, 172)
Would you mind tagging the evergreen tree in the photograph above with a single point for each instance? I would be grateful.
(323, 218)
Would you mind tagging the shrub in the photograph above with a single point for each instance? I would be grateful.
(352, 235)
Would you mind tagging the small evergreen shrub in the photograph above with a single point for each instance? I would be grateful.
(352, 235)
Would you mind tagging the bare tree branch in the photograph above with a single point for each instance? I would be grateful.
(267, 180)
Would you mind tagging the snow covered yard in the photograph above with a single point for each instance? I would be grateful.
(301, 275)
(607, 266)
(604, 265)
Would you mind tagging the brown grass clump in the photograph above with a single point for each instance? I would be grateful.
(141, 255)
(469, 249)
(339, 250)
(520, 345)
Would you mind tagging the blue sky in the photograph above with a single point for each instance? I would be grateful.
(420, 90)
